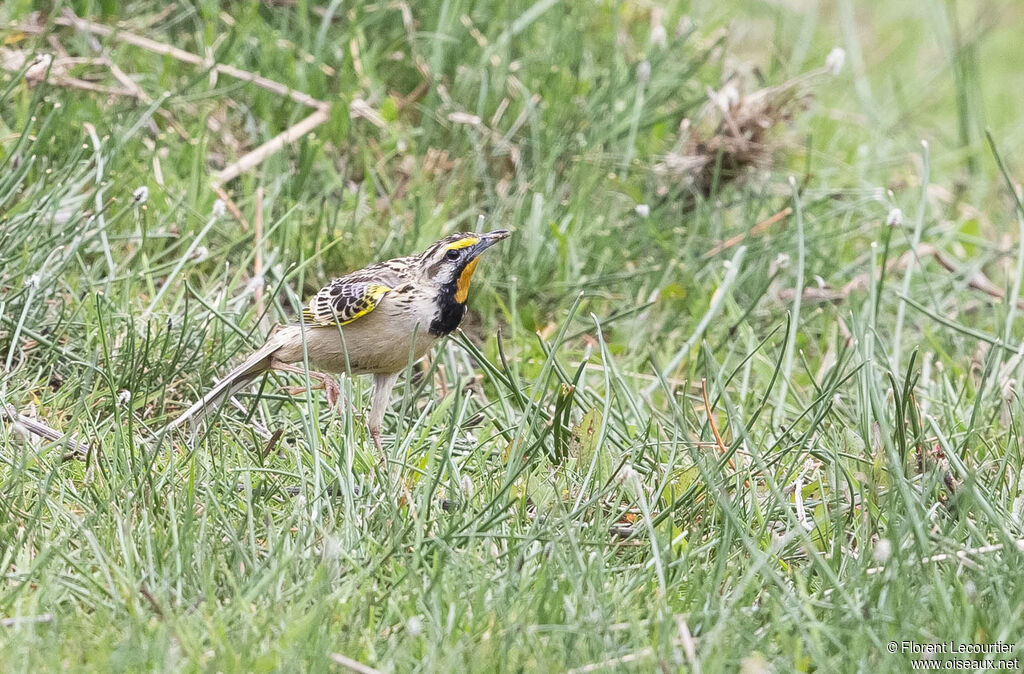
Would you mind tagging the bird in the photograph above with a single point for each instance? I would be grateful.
(376, 320)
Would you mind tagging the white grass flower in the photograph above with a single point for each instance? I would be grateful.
(729, 97)
(20, 435)
(895, 218)
(219, 208)
(414, 626)
(90, 475)
(781, 261)
(643, 72)
(643, 210)
(625, 474)
(835, 61)
(629, 478)
(33, 281)
(659, 36)
(684, 26)
(333, 548)
(882, 551)
(140, 196)
(63, 215)
(254, 284)
(124, 397)
(467, 486)
(755, 663)
(200, 254)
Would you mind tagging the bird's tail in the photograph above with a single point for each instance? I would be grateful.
(254, 366)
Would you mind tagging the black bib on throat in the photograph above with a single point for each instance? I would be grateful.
(449, 312)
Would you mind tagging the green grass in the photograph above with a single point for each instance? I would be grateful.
(554, 496)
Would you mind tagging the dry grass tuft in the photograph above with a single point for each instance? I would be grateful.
(733, 134)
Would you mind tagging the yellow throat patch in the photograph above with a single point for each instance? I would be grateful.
(462, 286)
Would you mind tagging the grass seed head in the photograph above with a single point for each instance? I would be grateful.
(140, 196)
(895, 218)
(835, 61)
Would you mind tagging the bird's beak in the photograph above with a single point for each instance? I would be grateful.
(489, 239)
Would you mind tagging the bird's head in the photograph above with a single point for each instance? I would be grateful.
(450, 262)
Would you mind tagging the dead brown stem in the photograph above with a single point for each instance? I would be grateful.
(36, 427)
(978, 281)
(257, 263)
(248, 161)
(289, 135)
(711, 422)
(232, 207)
(155, 47)
(756, 230)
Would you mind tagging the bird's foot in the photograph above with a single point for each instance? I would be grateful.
(332, 392)
(375, 436)
(326, 382)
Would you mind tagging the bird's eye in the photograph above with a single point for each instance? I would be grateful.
(452, 255)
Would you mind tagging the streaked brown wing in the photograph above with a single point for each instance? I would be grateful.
(344, 300)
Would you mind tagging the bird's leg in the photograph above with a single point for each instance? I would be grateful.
(382, 385)
(327, 383)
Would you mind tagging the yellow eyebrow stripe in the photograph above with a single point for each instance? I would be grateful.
(463, 243)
